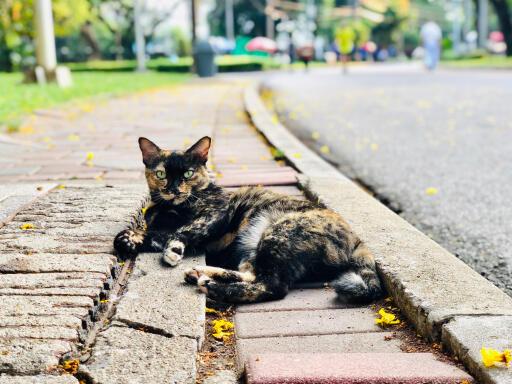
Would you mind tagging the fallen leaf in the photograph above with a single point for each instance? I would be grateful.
(491, 357)
(386, 319)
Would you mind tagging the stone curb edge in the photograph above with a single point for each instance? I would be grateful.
(443, 297)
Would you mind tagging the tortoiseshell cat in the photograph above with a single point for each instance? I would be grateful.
(257, 242)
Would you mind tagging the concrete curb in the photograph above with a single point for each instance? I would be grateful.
(443, 297)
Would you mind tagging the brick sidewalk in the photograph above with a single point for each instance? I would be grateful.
(307, 337)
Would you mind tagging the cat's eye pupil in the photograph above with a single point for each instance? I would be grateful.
(188, 174)
(160, 174)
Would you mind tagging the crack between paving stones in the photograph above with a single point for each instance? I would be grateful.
(316, 334)
(141, 327)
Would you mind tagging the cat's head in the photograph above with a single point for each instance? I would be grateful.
(175, 176)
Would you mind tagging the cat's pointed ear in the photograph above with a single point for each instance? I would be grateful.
(201, 148)
(150, 150)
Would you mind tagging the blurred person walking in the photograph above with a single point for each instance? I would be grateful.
(345, 40)
(431, 40)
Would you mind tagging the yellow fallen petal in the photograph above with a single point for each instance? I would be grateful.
(431, 191)
(374, 146)
(232, 160)
(210, 310)
(491, 356)
(293, 116)
(90, 155)
(47, 139)
(89, 164)
(244, 167)
(144, 210)
(62, 186)
(99, 178)
(386, 319)
(73, 138)
(325, 149)
(315, 135)
(297, 155)
(27, 226)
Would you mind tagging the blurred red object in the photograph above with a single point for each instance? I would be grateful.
(306, 52)
(496, 36)
(262, 44)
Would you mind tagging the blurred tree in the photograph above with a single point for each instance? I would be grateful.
(181, 45)
(384, 33)
(17, 29)
(250, 18)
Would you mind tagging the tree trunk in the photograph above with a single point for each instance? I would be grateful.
(119, 44)
(503, 13)
(90, 37)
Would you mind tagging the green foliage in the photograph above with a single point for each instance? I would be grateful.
(225, 63)
(17, 26)
(17, 99)
(181, 45)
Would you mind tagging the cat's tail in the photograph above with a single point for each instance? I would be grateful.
(361, 283)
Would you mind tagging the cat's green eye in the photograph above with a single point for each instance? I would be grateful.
(188, 174)
(160, 174)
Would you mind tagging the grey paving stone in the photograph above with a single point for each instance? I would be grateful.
(48, 280)
(337, 343)
(30, 356)
(12, 263)
(19, 171)
(40, 379)
(27, 320)
(298, 299)
(467, 335)
(125, 355)
(221, 377)
(41, 243)
(157, 297)
(14, 196)
(44, 332)
(89, 292)
(301, 323)
(45, 305)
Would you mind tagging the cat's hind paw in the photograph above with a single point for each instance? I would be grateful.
(203, 283)
(126, 243)
(192, 275)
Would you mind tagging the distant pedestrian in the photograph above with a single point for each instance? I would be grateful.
(345, 39)
(431, 39)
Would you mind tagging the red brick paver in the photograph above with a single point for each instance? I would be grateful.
(351, 368)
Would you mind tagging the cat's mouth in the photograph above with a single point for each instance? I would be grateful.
(171, 197)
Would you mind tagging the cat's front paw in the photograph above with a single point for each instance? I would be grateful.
(127, 243)
(173, 252)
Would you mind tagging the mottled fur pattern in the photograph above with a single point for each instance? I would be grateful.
(257, 242)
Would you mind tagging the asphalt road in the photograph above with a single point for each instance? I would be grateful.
(435, 147)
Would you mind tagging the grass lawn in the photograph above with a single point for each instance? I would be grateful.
(17, 99)
(491, 62)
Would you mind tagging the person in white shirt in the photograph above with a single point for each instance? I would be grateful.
(431, 39)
